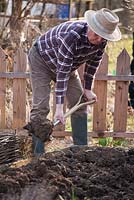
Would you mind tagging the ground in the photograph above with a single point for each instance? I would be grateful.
(72, 173)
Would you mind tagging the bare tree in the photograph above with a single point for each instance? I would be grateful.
(129, 8)
(12, 31)
(16, 22)
(19, 19)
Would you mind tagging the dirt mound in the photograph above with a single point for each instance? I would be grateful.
(79, 173)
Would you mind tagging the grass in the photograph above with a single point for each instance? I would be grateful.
(111, 142)
(115, 48)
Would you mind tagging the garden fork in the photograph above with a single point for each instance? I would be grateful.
(81, 102)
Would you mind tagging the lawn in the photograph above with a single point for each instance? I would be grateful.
(115, 48)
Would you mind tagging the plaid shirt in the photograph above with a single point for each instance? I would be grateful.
(64, 48)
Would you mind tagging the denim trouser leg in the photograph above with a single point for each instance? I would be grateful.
(40, 79)
(79, 118)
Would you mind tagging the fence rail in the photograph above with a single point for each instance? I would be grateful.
(98, 77)
(19, 75)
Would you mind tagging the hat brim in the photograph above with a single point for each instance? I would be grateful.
(115, 36)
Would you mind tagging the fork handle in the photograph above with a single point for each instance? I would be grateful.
(73, 109)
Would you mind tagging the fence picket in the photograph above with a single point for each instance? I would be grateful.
(100, 89)
(19, 91)
(121, 93)
(3, 68)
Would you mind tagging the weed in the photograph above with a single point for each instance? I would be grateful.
(110, 141)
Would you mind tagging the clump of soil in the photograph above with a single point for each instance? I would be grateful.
(77, 172)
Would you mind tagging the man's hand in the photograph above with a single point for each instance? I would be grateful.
(90, 95)
(59, 113)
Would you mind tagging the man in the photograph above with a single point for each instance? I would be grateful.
(56, 56)
(131, 84)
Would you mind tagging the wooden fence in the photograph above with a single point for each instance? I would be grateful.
(99, 129)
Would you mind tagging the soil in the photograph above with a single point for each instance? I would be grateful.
(73, 173)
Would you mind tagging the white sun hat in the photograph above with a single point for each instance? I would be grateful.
(104, 23)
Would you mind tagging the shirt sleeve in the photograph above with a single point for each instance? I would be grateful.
(91, 68)
(64, 65)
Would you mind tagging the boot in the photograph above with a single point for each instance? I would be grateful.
(79, 129)
(37, 146)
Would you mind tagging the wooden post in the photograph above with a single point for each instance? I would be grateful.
(3, 68)
(19, 91)
(100, 89)
(121, 93)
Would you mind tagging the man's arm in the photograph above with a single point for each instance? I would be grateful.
(90, 71)
(64, 65)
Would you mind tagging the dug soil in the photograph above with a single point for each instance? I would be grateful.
(74, 173)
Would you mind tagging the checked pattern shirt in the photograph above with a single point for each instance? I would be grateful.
(64, 48)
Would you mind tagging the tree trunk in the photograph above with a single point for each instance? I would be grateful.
(16, 23)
